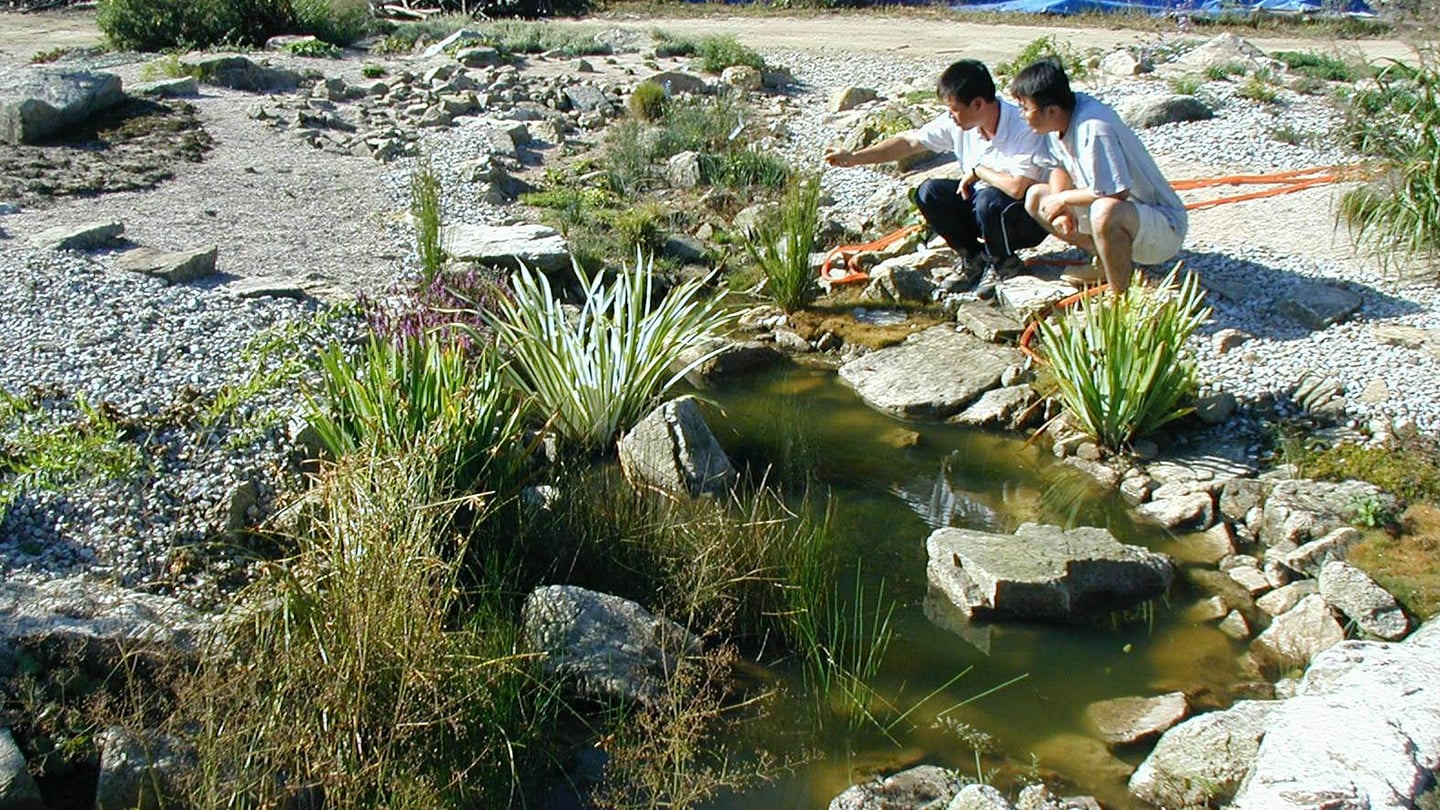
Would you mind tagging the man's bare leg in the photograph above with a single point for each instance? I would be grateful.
(1070, 234)
(1115, 223)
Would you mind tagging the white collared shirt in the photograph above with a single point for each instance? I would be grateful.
(1016, 149)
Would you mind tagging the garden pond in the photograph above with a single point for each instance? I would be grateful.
(1024, 689)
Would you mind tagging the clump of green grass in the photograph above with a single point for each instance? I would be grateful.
(167, 67)
(741, 168)
(1396, 215)
(647, 101)
(597, 373)
(1078, 65)
(668, 44)
(1223, 72)
(1187, 85)
(1410, 471)
(373, 71)
(1288, 134)
(1121, 363)
(45, 57)
(1320, 66)
(315, 49)
(641, 227)
(1258, 87)
(427, 213)
(782, 247)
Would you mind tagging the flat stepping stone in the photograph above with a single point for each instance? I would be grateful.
(538, 246)
(177, 267)
(1317, 306)
(933, 375)
(87, 236)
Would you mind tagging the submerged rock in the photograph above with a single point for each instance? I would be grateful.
(1043, 572)
(1129, 720)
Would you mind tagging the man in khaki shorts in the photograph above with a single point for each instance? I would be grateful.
(1105, 194)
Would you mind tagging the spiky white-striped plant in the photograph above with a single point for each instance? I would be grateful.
(595, 372)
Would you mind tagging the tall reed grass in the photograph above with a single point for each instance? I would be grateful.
(781, 247)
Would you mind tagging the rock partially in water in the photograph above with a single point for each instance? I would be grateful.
(673, 448)
(1130, 720)
(1309, 558)
(1201, 762)
(1299, 510)
(1043, 572)
(925, 786)
(1299, 634)
(609, 648)
(932, 375)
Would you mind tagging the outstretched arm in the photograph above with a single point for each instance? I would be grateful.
(894, 148)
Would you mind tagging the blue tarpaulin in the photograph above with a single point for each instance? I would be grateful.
(1191, 7)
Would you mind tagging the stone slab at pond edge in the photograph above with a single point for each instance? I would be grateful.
(932, 375)
(537, 246)
(1043, 572)
(36, 102)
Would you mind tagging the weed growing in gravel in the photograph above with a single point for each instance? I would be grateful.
(1320, 66)
(1121, 362)
(1223, 72)
(315, 49)
(647, 101)
(167, 67)
(742, 168)
(51, 55)
(1295, 137)
(1396, 216)
(719, 52)
(781, 247)
(514, 36)
(1078, 65)
(1259, 87)
(60, 444)
(668, 44)
(1187, 85)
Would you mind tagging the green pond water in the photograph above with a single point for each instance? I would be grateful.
(890, 483)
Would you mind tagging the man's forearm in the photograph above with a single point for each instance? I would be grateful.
(894, 148)
(1011, 185)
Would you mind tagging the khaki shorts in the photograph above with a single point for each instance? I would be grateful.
(1157, 240)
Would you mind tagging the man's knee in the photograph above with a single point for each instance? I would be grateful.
(930, 194)
(1114, 218)
(1033, 197)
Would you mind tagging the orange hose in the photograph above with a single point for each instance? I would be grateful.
(847, 254)
(1064, 303)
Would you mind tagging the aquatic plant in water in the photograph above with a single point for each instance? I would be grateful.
(1121, 362)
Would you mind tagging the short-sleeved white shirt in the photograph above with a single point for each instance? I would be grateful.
(1102, 154)
(1016, 149)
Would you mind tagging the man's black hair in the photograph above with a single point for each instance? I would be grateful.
(965, 81)
(1046, 84)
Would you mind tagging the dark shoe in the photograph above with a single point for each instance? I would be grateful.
(970, 268)
(1009, 267)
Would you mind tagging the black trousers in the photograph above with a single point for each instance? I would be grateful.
(989, 216)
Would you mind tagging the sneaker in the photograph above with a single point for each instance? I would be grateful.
(1008, 267)
(1085, 275)
(970, 268)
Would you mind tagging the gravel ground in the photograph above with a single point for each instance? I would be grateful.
(76, 325)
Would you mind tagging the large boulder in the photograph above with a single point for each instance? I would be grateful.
(1043, 572)
(537, 246)
(1201, 762)
(241, 73)
(1362, 731)
(1148, 112)
(1299, 634)
(925, 786)
(606, 647)
(18, 790)
(932, 375)
(36, 102)
(672, 448)
(139, 770)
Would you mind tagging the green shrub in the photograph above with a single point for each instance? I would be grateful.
(167, 67)
(338, 22)
(373, 71)
(641, 228)
(782, 247)
(156, 25)
(1077, 64)
(719, 52)
(647, 101)
(60, 447)
(1121, 362)
(741, 168)
(667, 44)
(1319, 66)
(315, 49)
(1396, 215)
(596, 373)
(1257, 88)
(1223, 72)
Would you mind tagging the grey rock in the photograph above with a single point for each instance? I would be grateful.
(677, 82)
(684, 247)
(1209, 546)
(1239, 495)
(742, 77)
(1317, 305)
(683, 169)
(1372, 608)
(181, 87)
(898, 280)
(1223, 49)
(1043, 572)
(179, 267)
(672, 448)
(996, 408)
(99, 618)
(1104, 474)
(932, 375)
(1086, 755)
(1024, 297)
(456, 40)
(1150, 112)
(607, 647)
(587, 98)
(1202, 761)
(1298, 635)
(987, 322)
(1362, 731)
(1137, 488)
(925, 786)
(1225, 340)
(1309, 558)
(848, 98)
(1121, 63)
(1235, 626)
(719, 358)
(139, 771)
(979, 797)
(1216, 408)
(240, 73)
(537, 246)
(1299, 510)
(87, 236)
(478, 56)
(1284, 598)
(1193, 511)
(1131, 720)
(747, 218)
(18, 790)
(777, 77)
(37, 101)
(1251, 578)
(260, 287)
